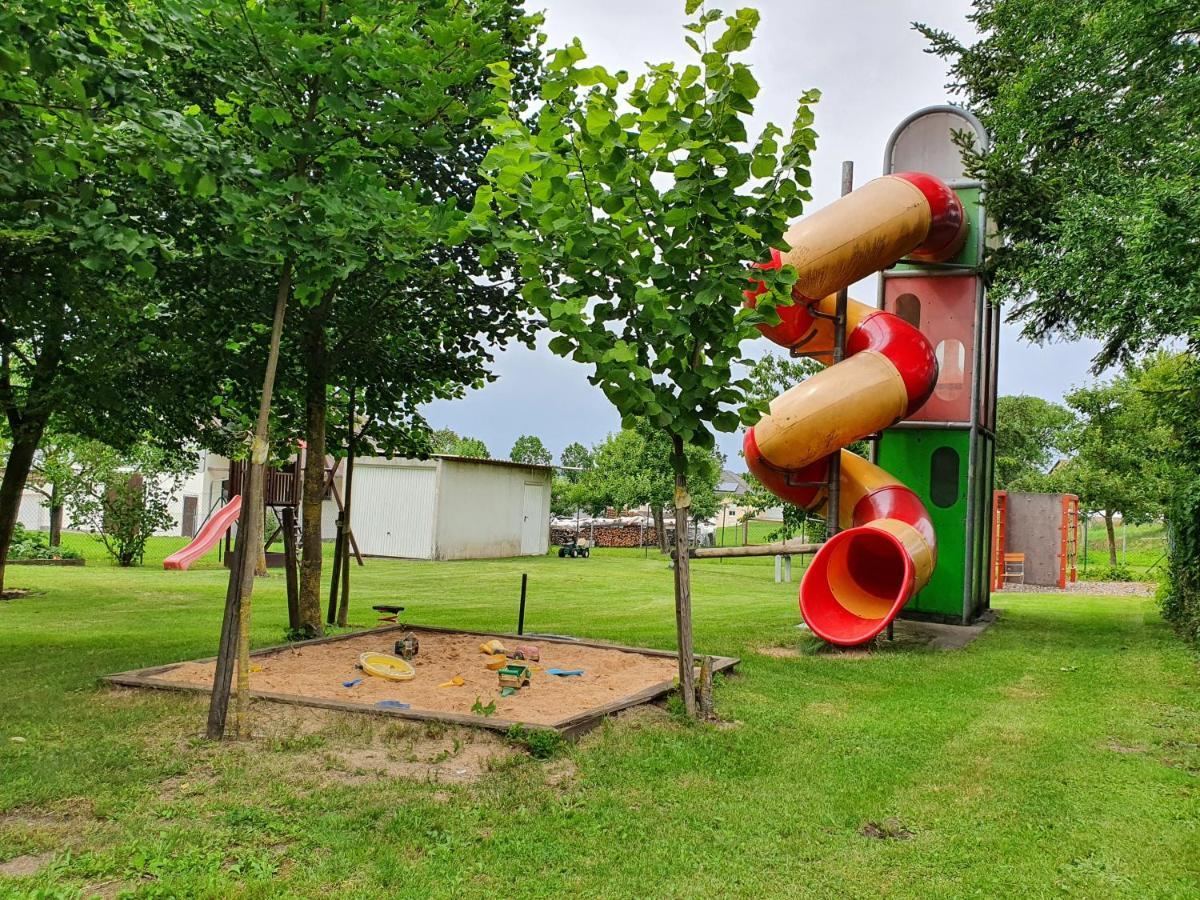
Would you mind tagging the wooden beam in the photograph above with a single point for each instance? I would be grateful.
(780, 548)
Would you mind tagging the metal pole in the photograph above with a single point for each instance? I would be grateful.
(1087, 526)
(521, 614)
(834, 490)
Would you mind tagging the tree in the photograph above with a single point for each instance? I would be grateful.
(124, 498)
(770, 376)
(349, 131)
(84, 194)
(633, 210)
(65, 467)
(633, 468)
(1092, 109)
(450, 443)
(576, 459)
(1121, 454)
(1030, 432)
(529, 448)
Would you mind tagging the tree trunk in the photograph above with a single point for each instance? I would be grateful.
(260, 563)
(16, 471)
(56, 517)
(683, 582)
(660, 529)
(316, 421)
(1112, 538)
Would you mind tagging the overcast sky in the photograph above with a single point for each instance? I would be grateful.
(872, 71)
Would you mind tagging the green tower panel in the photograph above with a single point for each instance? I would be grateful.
(968, 256)
(933, 462)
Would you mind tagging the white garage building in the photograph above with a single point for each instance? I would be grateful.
(450, 507)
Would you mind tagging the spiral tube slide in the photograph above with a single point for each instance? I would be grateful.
(862, 577)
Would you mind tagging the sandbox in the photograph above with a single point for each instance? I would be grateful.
(314, 673)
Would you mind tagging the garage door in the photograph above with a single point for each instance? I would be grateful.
(393, 511)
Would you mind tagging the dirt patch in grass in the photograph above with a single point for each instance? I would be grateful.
(888, 830)
(779, 652)
(338, 747)
(322, 671)
(436, 761)
(25, 866)
(1118, 747)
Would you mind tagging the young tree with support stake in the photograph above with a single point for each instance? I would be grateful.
(634, 210)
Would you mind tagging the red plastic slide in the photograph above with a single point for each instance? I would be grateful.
(214, 529)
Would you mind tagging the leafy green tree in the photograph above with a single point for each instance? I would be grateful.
(446, 441)
(633, 468)
(633, 210)
(771, 375)
(346, 131)
(1121, 454)
(576, 459)
(1030, 432)
(83, 222)
(529, 448)
(1170, 382)
(1092, 108)
(64, 466)
(123, 497)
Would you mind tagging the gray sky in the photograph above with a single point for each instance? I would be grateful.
(872, 70)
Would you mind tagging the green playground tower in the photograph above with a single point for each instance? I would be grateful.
(946, 450)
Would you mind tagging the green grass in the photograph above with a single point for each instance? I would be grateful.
(759, 533)
(1142, 552)
(1056, 755)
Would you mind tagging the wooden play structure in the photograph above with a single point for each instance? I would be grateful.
(1035, 539)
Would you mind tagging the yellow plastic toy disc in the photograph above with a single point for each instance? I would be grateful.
(384, 665)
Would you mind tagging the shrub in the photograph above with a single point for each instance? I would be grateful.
(1179, 594)
(542, 743)
(1116, 573)
(35, 545)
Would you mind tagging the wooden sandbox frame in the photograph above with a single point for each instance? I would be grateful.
(570, 726)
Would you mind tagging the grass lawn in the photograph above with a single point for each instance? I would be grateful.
(1143, 551)
(1058, 754)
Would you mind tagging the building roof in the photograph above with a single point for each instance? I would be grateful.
(492, 462)
(732, 483)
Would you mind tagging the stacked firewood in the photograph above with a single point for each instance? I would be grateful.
(609, 535)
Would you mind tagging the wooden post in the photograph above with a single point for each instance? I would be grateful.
(706, 687)
(289, 562)
(218, 707)
(336, 581)
(683, 584)
(347, 527)
(337, 498)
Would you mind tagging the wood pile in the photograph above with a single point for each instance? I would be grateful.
(609, 535)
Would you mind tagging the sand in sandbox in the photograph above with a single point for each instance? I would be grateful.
(319, 670)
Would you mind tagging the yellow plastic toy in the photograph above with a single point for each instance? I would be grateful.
(491, 647)
(384, 665)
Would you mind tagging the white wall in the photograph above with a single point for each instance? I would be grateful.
(480, 509)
